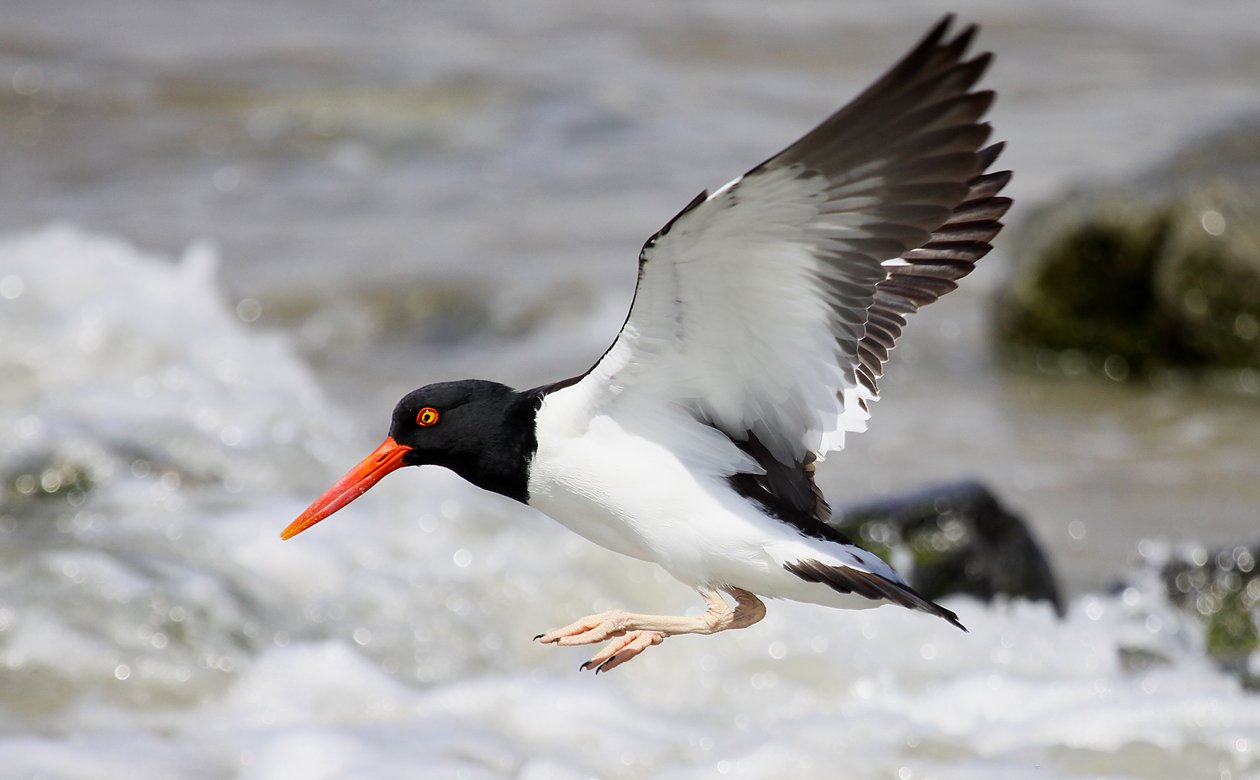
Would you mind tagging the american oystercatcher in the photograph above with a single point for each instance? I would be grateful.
(763, 316)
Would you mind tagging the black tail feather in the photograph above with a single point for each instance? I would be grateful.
(845, 579)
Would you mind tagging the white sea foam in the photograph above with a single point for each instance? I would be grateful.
(157, 627)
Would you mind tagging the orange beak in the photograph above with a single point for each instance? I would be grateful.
(387, 457)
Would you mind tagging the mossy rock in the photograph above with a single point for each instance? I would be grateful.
(1213, 281)
(1223, 589)
(955, 539)
(1162, 272)
(44, 479)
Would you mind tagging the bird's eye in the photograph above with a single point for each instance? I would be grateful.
(427, 416)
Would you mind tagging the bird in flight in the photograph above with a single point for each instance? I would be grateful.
(762, 319)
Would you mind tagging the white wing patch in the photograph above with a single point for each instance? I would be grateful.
(734, 317)
(766, 309)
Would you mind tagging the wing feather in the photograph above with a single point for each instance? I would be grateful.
(768, 308)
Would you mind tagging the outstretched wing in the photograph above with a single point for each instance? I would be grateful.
(767, 308)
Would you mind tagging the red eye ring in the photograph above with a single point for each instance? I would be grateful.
(427, 416)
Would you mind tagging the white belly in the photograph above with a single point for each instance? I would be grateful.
(619, 491)
(657, 490)
(653, 490)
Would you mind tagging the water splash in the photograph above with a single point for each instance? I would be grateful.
(152, 614)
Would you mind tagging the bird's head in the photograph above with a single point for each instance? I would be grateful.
(481, 430)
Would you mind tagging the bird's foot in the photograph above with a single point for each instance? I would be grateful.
(632, 633)
(622, 649)
(624, 645)
(588, 630)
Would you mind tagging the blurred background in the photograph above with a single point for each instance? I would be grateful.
(233, 234)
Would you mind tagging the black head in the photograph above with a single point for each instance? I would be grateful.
(483, 431)
(450, 422)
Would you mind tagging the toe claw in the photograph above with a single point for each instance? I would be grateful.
(625, 644)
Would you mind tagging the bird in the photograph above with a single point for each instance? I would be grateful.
(763, 315)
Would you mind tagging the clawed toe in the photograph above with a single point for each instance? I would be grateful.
(632, 633)
(622, 649)
(624, 645)
(587, 630)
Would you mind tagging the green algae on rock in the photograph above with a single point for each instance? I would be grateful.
(1223, 589)
(1160, 272)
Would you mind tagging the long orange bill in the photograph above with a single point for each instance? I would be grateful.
(387, 457)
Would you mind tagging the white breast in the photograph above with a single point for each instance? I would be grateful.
(640, 481)
(649, 481)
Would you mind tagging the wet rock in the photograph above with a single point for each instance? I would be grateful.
(1223, 589)
(955, 538)
(46, 478)
(1161, 272)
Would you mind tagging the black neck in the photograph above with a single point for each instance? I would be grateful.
(501, 464)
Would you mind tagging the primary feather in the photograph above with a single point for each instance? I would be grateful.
(768, 308)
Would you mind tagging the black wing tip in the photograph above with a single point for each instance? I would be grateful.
(932, 50)
(948, 615)
(980, 62)
(985, 97)
(846, 579)
(937, 32)
(996, 208)
(990, 153)
(936, 36)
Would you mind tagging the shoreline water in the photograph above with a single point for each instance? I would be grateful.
(508, 166)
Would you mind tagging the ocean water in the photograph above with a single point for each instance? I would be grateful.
(153, 625)
(228, 247)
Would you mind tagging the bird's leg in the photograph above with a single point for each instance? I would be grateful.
(632, 633)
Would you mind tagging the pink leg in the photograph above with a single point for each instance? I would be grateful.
(633, 633)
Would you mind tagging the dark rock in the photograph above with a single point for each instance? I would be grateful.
(1161, 272)
(1223, 589)
(53, 477)
(957, 539)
